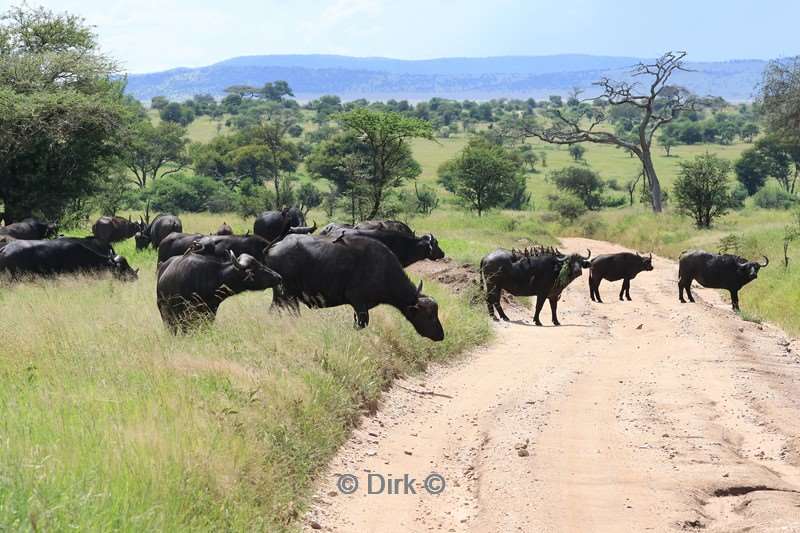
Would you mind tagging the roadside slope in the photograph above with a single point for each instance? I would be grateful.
(644, 415)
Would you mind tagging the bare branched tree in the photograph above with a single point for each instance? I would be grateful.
(658, 103)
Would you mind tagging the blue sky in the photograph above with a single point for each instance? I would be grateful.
(149, 35)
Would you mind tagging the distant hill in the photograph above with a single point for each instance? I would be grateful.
(377, 78)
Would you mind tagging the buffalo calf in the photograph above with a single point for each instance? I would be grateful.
(614, 267)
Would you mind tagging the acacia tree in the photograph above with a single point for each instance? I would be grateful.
(151, 152)
(658, 103)
(701, 190)
(780, 95)
(483, 175)
(386, 136)
(268, 155)
(60, 112)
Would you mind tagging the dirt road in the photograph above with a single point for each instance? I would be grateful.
(648, 415)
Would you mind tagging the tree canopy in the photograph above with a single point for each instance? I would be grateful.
(483, 176)
(60, 111)
(386, 136)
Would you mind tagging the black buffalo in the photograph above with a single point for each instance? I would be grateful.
(541, 273)
(716, 271)
(66, 255)
(157, 230)
(30, 229)
(408, 248)
(349, 270)
(115, 229)
(191, 287)
(275, 225)
(614, 267)
(386, 225)
(224, 229)
(178, 243)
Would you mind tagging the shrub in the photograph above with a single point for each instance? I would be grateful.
(567, 205)
(582, 182)
(701, 190)
(739, 194)
(192, 194)
(615, 200)
(520, 198)
(592, 225)
(773, 197)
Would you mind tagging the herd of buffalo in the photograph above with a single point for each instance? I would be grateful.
(361, 266)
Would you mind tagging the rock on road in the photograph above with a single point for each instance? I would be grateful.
(649, 415)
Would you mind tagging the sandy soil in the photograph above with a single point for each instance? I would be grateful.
(648, 415)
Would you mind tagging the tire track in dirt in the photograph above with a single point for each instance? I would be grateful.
(648, 415)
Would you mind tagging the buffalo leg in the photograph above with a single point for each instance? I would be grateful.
(361, 319)
(539, 304)
(596, 289)
(490, 308)
(553, 309)
(500, 311)
(735, 300)
(492, 302)
(685, 285)
(625, 290)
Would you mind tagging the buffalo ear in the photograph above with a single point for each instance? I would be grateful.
(419, 288)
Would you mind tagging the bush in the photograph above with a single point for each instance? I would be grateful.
(739, 194)
(774, 197)
(254, 199)
(581, 182)
(615, 200)
(701, 190)
(179, 193)
(520, 198)
(592, 225)
(567, 205)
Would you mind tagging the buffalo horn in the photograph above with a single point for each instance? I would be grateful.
(234, 260)
(766, 261)
(419, 288)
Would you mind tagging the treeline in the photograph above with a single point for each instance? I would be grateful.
(353, 158)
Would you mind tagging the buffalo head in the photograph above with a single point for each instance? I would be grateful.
(748, 270)
(142, 240)
(433, 252)
(253, 274)
(225, 229)
(576, 263)
(122, 270)
(424, 316)
(647, 262)
(51, 231)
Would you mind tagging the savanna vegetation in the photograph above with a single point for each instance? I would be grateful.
(111, 423)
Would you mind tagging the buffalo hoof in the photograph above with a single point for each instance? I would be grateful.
(495, 318)
(506, 319)
(537, 322)
(556, 323)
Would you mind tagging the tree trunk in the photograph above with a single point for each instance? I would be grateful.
(655, 186)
